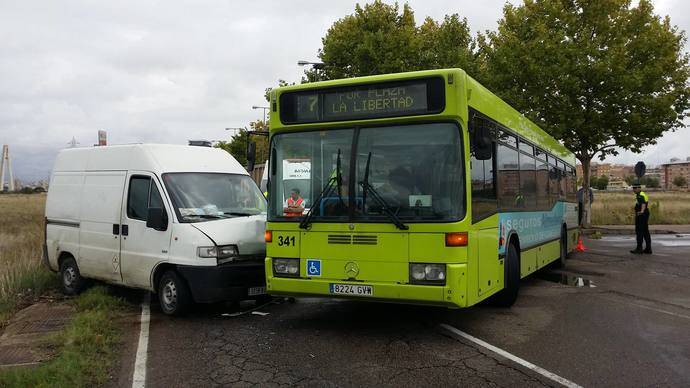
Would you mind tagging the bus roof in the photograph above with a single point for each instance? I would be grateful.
(482, 99)
(478, 97)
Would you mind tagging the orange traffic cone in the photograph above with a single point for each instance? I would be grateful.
(580, 245)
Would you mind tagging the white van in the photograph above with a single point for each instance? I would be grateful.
(184, 222)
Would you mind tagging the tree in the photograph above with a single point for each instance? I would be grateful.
(652, 182)
(380, 38)
(598, 75)
(600, 183)
(680, 181)
(237, 146)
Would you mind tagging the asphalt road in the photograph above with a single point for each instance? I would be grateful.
(629, 329)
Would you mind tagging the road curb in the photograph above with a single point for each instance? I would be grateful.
(623, 231)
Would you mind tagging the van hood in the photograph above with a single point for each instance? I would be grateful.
(245, 232)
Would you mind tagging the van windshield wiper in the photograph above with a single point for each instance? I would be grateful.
(239, 214)
(337, 180)
(367, 188)
(206, 216)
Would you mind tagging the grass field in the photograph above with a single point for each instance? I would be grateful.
(22, 274)
(84, 350)
(616, 208)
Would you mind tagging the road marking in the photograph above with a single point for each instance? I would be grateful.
(645, 306)
(139, 376)
(503, 353)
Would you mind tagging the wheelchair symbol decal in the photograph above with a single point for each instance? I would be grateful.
(313, 267)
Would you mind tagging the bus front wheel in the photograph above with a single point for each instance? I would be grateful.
(511, 279)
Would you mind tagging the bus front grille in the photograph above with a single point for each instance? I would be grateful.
(339, 239)
(365, 239)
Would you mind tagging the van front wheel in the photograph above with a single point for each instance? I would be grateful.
(72, 282)
(173, 294)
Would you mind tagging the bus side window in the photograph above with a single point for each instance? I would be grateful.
(543, 202)
(483, 177)
(528, 189)
(508, 178)
(553, 181)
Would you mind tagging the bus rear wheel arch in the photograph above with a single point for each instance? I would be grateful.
(563, 248)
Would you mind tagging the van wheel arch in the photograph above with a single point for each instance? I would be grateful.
(158, 272)
(64, 255)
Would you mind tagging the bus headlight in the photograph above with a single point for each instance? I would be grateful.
(286, 267)
(423, 273)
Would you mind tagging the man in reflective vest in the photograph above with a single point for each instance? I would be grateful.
(642, 221)
(295, 204)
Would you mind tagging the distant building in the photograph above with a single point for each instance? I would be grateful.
(618, 185)
(600, 169)
(675, 167)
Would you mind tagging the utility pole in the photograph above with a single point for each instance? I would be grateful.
(5, 161)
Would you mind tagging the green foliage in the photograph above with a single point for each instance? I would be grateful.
(680, 181)
(237, 146)
(267, 92)
(647, 181)
(379, 38)
(598, 75)
(599, 183)
(85, 348)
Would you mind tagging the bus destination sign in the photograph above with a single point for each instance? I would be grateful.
(360, 102)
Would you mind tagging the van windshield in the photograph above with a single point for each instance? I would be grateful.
(206, 196)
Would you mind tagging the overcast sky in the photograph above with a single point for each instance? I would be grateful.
(169, 71)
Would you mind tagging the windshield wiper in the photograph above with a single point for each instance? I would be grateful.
(337, 179)
(207, 216)
(239, 214)
(366, 187)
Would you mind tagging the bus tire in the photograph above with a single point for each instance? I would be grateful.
(563, 250)
(71, 280)
(173, 294)
(511, 269)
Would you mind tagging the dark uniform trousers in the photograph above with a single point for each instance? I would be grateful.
(642, 230)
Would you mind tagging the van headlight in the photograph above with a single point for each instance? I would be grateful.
(424, 273)
(286, 267)
(223, 253)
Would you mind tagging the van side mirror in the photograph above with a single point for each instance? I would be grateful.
(482, 143)
(157, 219)
(251, 155)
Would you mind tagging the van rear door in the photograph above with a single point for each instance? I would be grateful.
(142, 247)
(99, 240)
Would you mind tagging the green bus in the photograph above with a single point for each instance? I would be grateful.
(419, 187)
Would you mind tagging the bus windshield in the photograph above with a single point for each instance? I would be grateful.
(416, 171)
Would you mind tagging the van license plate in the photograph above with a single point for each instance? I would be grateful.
(253, 291)
(352, 289)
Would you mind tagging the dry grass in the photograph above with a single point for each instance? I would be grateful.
(22, 274)
(616, 208)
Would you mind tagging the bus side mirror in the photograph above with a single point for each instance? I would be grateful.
(157, 219)
(481, 142)
(251, 156)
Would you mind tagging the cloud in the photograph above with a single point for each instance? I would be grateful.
(160, 71)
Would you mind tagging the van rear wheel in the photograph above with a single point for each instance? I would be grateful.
(173, 294)
(72, 282)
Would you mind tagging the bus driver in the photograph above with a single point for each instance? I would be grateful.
(295, 204)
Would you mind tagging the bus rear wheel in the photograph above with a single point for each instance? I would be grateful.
(511, 278)
(563, 256)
